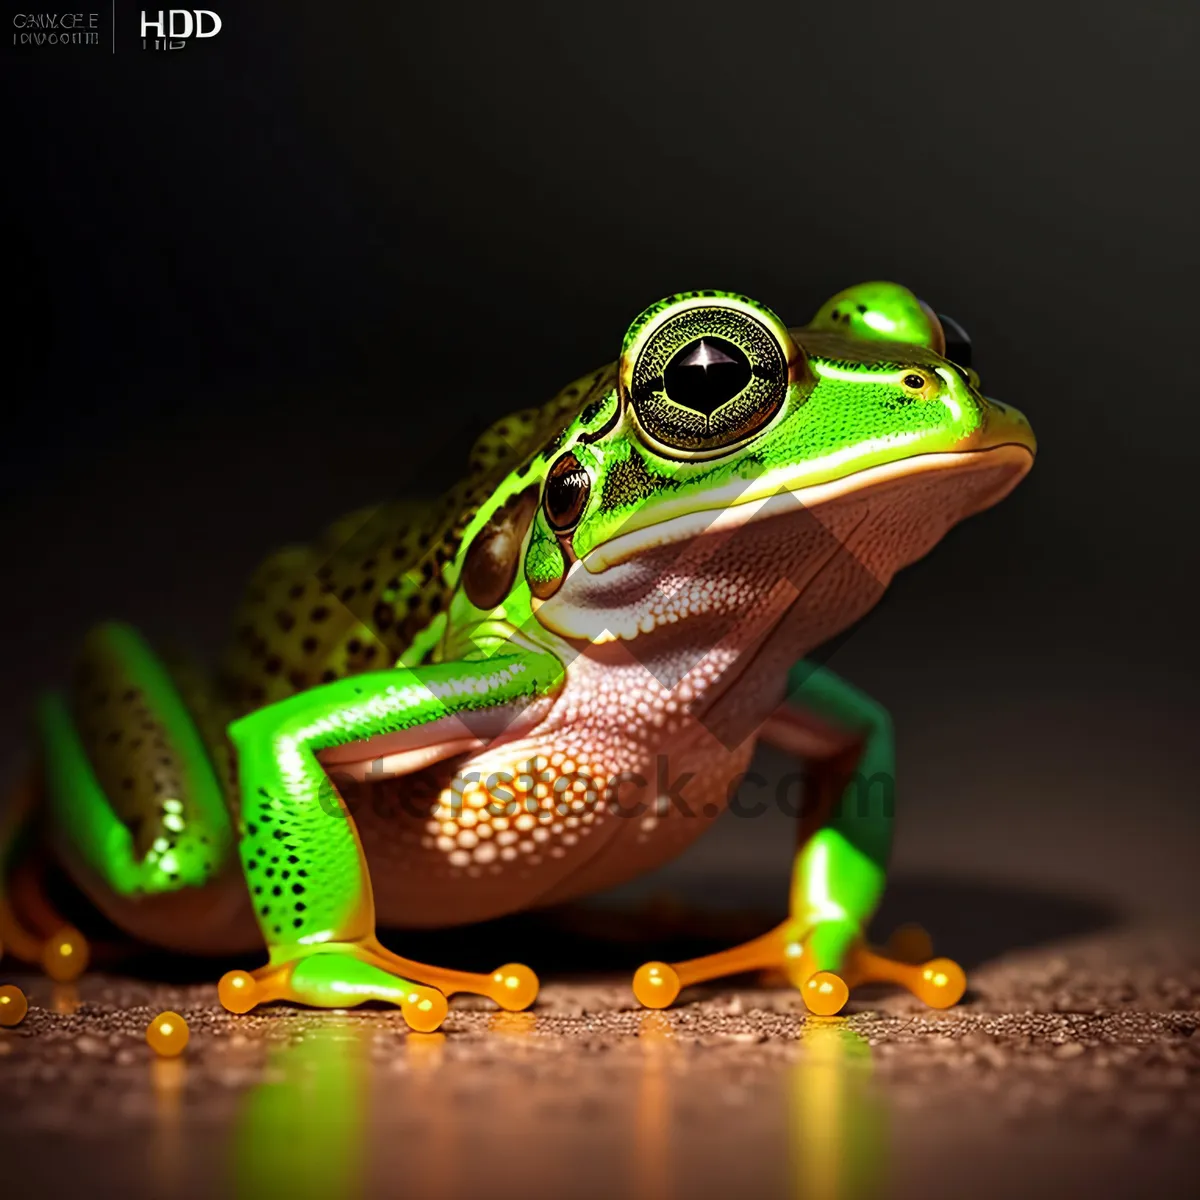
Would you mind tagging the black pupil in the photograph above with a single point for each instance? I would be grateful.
(914, 381)
(705, 374)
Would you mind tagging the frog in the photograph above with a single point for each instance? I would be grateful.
(546, 683)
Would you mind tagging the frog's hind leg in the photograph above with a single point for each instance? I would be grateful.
(838, 874)
(137, 809)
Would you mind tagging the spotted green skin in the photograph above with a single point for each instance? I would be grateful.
(850, 404)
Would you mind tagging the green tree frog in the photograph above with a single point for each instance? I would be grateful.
(554, 676)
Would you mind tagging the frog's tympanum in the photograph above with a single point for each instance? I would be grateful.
(549, 681)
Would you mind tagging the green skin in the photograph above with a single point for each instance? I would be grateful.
(498, 623)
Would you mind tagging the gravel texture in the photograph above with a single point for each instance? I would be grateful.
(1073, 1066)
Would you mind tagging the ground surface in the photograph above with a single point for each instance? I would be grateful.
(1070, 1067)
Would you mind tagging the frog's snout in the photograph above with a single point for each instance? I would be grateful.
(1003, 425)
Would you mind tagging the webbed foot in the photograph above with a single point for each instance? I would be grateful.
(345, 974)
(823, 963)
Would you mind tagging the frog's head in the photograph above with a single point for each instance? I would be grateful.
(729, 454)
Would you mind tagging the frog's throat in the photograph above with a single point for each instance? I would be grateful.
(752, 506)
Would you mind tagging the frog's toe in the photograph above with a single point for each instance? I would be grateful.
(938, 982)
(333, 979)
(825, 994)
(513, 986)
(656, 984)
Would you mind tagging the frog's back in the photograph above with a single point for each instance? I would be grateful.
(373, 589)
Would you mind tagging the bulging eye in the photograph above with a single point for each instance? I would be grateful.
(568, 486)
(704, 371)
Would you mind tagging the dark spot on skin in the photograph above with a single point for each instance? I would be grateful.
(298, 922)
(270, 872)
(368, 564)
(277, 890)
(309, 644)
(298, 680)
(862, 308)
(285, 620)
(349, 592)
(368, 584)
(265, 911)
(369, 653)
(300, 906)
(252, 830)
(354, 645)
(273, 665)
(328, 675)
(296, 591)
(297, 889)
(319, 614)
(384, 616)
(592, 411)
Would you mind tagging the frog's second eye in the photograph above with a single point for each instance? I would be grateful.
(705, 371)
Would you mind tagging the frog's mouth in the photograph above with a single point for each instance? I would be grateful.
(756, 548)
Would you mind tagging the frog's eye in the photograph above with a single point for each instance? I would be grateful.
(568, 486)
(704, 371)
(918, 383)
(882, 312)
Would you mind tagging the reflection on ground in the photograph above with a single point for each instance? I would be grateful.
(328, 1117)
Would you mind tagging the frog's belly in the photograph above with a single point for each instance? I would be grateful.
(569, 811)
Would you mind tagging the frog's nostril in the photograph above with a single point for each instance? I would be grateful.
(705, 374)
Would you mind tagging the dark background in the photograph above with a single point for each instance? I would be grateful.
(294, 268)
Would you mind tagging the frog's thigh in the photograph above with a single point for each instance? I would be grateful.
(302, 856)
(136, 806)
(839, 870)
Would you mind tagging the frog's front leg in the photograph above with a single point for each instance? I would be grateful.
(839, 872)
(301, 853)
